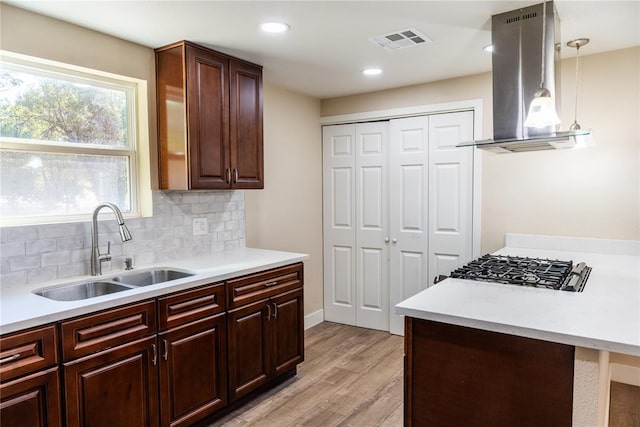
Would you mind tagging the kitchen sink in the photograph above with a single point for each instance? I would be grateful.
(82, 291)
(151, 277)
(123, 282)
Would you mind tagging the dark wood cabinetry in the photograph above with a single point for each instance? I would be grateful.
(29, 379)
(116, 387)
(458, 376)
(209, 119)
(170, 361)
(266, 330)
(193, 360)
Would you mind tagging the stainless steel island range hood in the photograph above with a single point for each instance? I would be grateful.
(516, 61)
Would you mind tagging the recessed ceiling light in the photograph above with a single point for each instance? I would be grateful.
(373, 71)
(274, 27)
(488, 48)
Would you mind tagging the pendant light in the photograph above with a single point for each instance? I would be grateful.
(582, 140)
(542, 110)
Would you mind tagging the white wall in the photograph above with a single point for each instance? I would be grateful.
(287, 214)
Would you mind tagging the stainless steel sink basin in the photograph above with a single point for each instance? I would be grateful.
(151, 277)
(123, 282)
(82, 291)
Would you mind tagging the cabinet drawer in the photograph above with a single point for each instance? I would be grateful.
(184, 307)
(262, 285)
(27, 352)
(96, 332)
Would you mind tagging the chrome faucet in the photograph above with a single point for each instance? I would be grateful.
(96, 257)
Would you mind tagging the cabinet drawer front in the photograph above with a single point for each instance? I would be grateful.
(26, 352)
(254, 287)
(185, 307)
(95, 332)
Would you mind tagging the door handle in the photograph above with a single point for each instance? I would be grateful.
(165, 354)
(275, 310)
(10, 358)
(228, 173)
(269, 311)
(154, 359)
(235, 175)
(386, 240)
(394, 240)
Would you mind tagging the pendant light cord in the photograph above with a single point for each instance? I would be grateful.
(575, 124)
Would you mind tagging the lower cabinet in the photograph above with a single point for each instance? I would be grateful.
(265, 341)
(30, 379)
(116, 387)
(32, 401)
(170, 361)
(193, 371)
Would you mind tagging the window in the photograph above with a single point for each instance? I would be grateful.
(68, 141)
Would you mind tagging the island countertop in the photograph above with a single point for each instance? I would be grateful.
(20, 308)
(605, 316)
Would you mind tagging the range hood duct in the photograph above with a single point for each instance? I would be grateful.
(517, 59)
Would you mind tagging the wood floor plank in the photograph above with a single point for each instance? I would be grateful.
(350, 377)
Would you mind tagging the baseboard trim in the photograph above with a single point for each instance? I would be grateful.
(313, 319)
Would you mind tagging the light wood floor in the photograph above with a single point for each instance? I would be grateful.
(350, 377)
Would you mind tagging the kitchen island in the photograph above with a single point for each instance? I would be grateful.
(491, 325)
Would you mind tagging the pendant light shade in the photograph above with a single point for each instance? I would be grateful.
(542, 111)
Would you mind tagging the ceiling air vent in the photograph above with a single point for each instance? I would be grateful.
(400, 39)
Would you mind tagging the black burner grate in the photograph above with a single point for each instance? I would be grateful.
(542, 273)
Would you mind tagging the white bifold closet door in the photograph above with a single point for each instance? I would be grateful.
(431, 203)
(355, 189)
(397, 212)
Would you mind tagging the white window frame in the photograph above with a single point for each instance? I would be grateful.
(137, 151)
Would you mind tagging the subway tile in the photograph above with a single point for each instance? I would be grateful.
(143, 258)
(231, 225)
(55, 258)
(8, 249)
(80, 255)
(38, 275)
(75, 242)
(41, 246)
(231, 245)
(72, 270)
(22, 233)
(17, 263)
(4, 234)
(13, 279)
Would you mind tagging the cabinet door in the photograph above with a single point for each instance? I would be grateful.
(193, 371)
(207, 119)
(32, 401)
(116, 387)
(287, 323)
(245, 100)
(249, 347)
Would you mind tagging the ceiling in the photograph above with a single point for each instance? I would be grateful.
(327, 47)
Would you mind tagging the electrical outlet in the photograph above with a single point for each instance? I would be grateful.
(200, 226)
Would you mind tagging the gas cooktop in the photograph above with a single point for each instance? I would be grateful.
(537, 272)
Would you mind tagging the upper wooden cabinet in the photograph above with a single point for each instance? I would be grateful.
(209, 119)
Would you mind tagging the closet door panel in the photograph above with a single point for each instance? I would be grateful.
(450, 192)
(372, 206)
(339, 218)
(408, 221)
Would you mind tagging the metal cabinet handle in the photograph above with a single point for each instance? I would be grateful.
(269, 312)
(154, 359)
(386, 240)
(268, 285)
(165, 355)
(275, 310)
(394, 240)
(10, 358)
(228, 172)
(235, 175)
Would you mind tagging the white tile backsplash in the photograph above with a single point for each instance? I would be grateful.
(31, 254)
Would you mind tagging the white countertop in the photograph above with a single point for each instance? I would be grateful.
(605, 316)
(21, 309)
